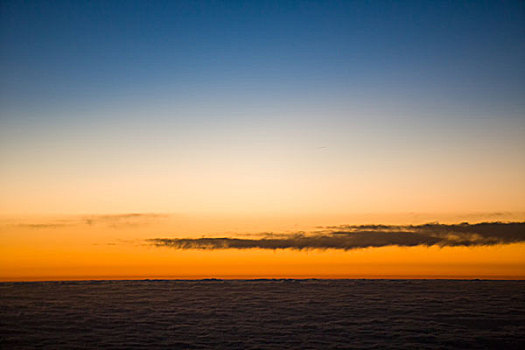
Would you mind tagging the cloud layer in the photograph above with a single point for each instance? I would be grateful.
(366, 236)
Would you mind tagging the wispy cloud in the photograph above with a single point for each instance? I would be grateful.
(113, 221)
(118, 220)
(42, 226)
(365, 236)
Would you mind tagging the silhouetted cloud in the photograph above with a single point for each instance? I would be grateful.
(366, 236)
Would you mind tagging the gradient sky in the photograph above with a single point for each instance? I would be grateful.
(259, 107)
(117, 106)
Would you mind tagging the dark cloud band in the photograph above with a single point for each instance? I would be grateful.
(366, 236)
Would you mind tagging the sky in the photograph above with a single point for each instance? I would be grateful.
(265, 109)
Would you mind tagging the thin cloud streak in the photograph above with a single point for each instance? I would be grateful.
(109, 220)
(119, 220)
(366, 236)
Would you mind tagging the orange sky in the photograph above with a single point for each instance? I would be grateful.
(111, 247)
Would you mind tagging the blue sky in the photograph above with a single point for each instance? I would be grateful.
(88, 52)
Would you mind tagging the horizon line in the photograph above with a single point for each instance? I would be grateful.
(283, 278)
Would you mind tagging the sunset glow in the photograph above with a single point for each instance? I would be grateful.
(122, 123)
(117, 247)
